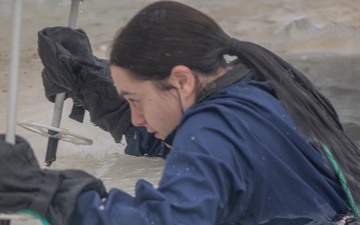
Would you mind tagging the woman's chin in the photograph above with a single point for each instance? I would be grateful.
(159, 136)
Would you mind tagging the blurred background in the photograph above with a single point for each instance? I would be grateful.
(320, 37)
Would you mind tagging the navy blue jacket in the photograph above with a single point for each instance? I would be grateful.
(141, 143)
(236, 158)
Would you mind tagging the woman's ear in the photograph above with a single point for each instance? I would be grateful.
(183, 79)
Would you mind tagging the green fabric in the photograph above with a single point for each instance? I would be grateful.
(342, 180)
(34, 214)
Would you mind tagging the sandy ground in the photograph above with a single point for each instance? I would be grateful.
(320, 37)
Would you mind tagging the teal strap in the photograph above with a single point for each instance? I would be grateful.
(36, 215)
(342, 180)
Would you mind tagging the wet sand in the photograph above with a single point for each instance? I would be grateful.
(319, 37)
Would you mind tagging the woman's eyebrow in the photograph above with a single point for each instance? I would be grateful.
(124, 93)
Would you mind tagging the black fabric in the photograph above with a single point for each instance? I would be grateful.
(77, 113)
(231, 77)
(71, 67)
(50, 193)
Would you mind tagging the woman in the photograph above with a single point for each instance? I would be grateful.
(248, 138)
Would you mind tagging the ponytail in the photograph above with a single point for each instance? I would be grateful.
(312, 112)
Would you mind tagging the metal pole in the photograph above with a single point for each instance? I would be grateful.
(13, 83)
(74, 11)
(60, 98)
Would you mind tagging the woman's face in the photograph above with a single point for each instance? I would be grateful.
(156, 109)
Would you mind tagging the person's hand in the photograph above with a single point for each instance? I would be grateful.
(51, 194)
(71, 67)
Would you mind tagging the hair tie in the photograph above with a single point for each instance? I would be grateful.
(233, 44)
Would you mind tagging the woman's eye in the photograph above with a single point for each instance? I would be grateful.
(134, 101)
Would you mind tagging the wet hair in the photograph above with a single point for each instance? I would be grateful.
(165, 34)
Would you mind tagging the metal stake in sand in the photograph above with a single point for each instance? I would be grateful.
(60, 98)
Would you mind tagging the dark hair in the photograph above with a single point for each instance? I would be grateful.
(165, 34)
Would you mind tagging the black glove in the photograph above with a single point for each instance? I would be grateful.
(71, 67)
(50, 193)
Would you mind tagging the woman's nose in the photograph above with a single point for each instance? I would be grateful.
(137, 118)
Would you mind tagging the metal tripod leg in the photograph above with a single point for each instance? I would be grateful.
(59, 100)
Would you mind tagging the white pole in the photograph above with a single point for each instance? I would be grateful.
(74, 10)
(13, 83)
(59, 100)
